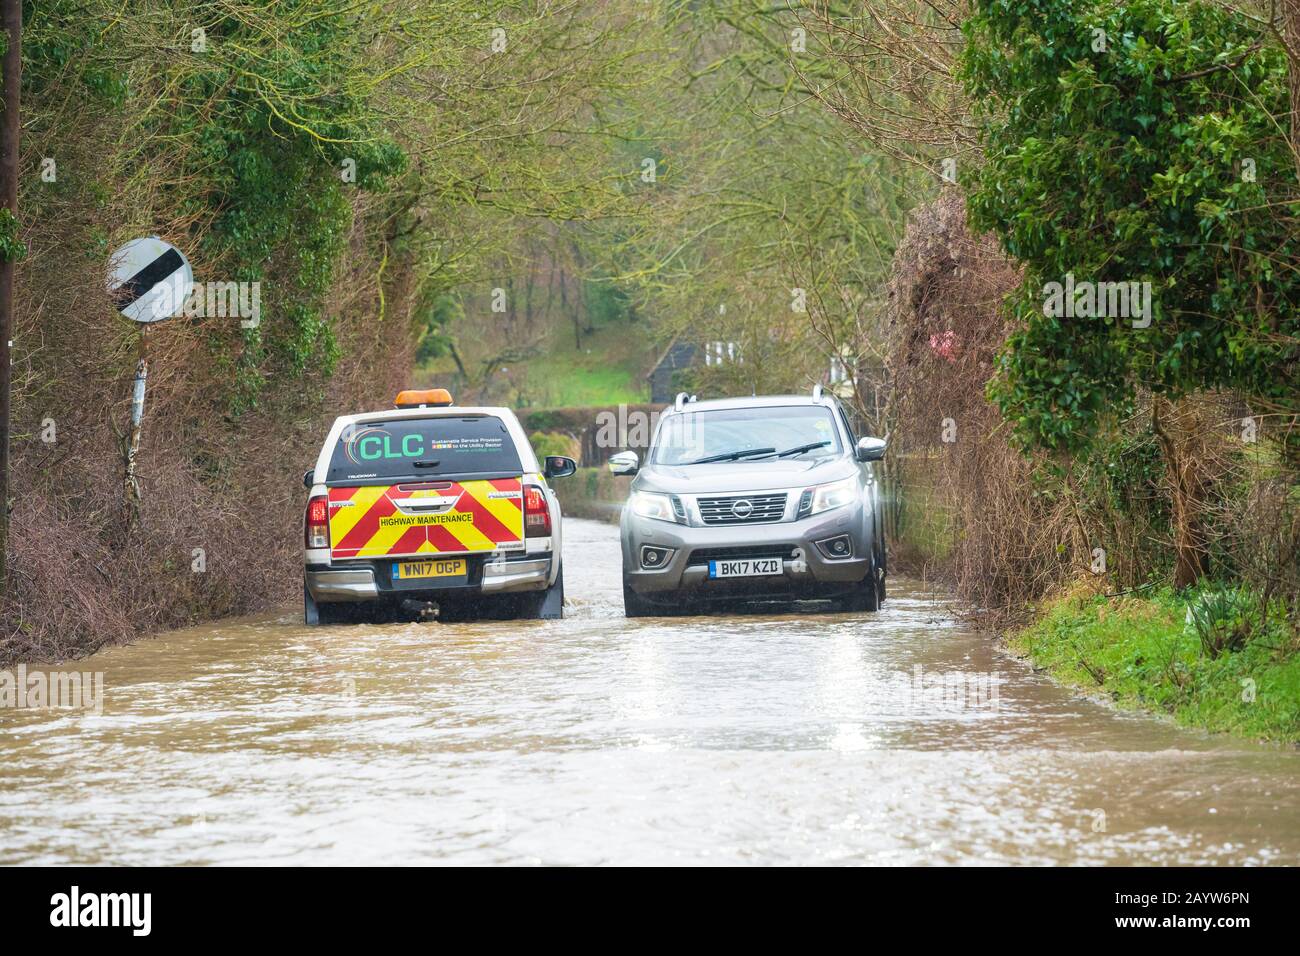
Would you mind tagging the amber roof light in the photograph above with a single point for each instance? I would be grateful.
(423, 398)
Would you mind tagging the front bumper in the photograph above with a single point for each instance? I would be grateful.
(806, 569)
(366, 581)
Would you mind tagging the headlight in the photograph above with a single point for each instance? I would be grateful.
(825, 497)
(647, 504)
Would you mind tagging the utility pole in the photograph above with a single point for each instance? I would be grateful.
(12, 73)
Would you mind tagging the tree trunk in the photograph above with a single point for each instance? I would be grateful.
(564, 307)
(1187, 494)
(1290, 26)
(12, 74)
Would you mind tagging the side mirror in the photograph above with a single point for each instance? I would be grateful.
(307, 477)
(624, 463)
(870, 449)
(557, 466)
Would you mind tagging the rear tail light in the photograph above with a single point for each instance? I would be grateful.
(316, 523)
(537, 513)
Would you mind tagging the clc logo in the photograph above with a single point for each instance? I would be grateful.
(373, 444)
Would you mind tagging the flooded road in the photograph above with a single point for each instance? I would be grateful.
(894, 738)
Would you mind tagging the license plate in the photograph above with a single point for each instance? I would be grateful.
(745, 568)
(406, 570)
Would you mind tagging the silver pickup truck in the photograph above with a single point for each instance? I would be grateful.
(764, 498)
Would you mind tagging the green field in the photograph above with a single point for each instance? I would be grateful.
(579, 378)
(609, 369)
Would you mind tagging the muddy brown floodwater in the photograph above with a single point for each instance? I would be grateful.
(788, 738)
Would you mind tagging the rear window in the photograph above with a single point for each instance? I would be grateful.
(420, 448)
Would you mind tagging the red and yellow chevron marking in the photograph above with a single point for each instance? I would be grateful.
(384, 520)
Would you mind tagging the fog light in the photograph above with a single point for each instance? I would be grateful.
(655, 558)
(841, 546)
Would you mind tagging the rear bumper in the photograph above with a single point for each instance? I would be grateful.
(494, 576)
(504, 576)
(356, 584)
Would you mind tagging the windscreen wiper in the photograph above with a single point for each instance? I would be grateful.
(800, 449)
(731, 456)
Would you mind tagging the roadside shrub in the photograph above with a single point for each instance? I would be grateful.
(1259, 529)
(1222, 618)
(950, 469)
(1005, 526)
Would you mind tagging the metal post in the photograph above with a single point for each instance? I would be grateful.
(12, 71)
(137, 417)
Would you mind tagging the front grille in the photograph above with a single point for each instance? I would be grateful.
(705, 555)
(753, 509)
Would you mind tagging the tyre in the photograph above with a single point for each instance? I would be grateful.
(314, 614)
(867, 595)
(636, 606)
(546, 605)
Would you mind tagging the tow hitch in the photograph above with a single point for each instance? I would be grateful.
(423, 611)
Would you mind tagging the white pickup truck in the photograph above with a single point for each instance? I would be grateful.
(430, 504)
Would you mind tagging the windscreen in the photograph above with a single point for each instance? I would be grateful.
(751, 434)
(423, 448)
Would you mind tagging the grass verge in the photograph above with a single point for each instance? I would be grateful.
(1146, 654)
